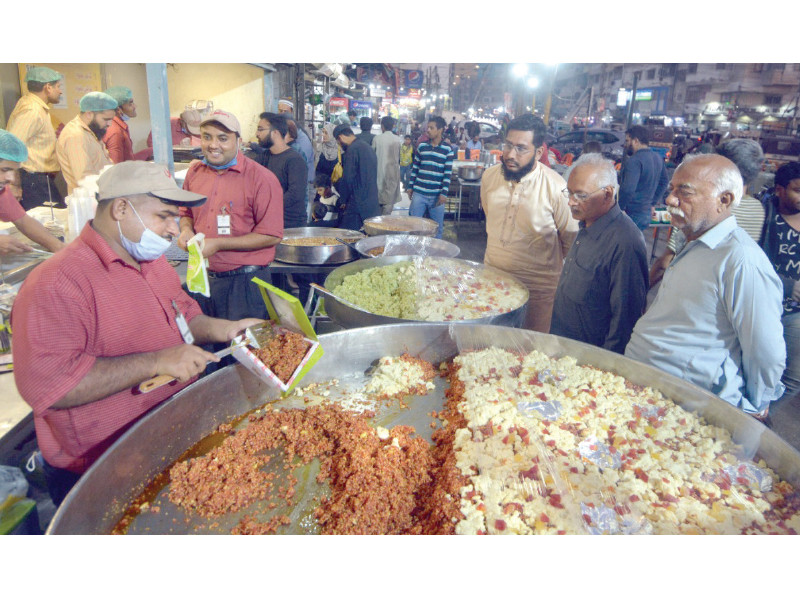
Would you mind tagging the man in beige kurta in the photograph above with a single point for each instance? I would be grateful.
(387, 147)
(80, 149)
(529, 226)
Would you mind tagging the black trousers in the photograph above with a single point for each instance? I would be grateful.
(59, 482)
(35, 190)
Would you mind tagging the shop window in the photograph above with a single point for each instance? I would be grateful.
(651, 74)
(667, 70)
(692, 68)
(772, 99)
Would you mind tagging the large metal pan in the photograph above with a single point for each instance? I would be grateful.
(349, 317)
(389, 224)
(100, 498)
(332, 254)
(407, 245)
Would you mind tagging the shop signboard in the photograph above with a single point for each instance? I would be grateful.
(338, 102)
(414, 79)
(415, 93)
(361, 105)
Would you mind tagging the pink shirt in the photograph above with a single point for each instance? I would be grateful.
(81, 304)
(250, 194)
(118, 141)
(177, 135)
(10, 208)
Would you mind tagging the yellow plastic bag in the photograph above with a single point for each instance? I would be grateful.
(197, 269)
(338, 171)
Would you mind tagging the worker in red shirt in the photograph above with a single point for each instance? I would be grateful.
(118, 137)
(12, 154)
(105, 314)
(242, 220)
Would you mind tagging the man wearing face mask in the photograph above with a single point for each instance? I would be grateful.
(118, 138)
(80, 148)
(105, 314)
(242, 220)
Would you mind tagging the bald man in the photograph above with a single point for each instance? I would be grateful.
(716, 320)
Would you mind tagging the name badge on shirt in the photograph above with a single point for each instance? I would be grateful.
(183, 326)
(223, 224)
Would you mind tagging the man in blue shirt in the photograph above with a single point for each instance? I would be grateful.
(430, 175)
(643, 179)
(716, 320)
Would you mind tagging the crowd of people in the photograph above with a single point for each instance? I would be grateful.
(725, 316)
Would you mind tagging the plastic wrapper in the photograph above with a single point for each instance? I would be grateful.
(407, 245)
(13, 486)
(433, 289)
(600, 447)
(197, 266)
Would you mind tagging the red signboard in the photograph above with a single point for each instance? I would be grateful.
(340, 102)
(414, 93)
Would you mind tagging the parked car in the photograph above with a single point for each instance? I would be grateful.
(613, 142)
(489, 134)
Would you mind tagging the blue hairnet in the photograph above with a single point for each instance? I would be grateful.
(42, 75)
(12, 148)
(96, 102)
(120, 93)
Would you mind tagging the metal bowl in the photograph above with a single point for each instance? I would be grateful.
(471, 172)
(350, 317)
(408, 245)
(99, 500)
(317, 255)
(391, 224)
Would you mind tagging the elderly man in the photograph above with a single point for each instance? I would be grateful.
(603, 287)
(80, 148)
(118, 138)
(30, 121)
(387, 148)
(358, 187)
(121, 318)
(643, 178)
(287, 165)
(242, 220)
(529, 227)
(748, 157)
(716, 320)
(12, 154)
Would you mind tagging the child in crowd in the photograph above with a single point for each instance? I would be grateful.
(324, 209)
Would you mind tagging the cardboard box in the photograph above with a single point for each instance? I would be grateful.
(286, 312)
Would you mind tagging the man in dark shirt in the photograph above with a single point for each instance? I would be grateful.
(643, 179)
(366, 134)
(358, 187)
(602, 291)
(287, 165)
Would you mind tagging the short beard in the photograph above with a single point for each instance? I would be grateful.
(97, 130)
(267, 143)
(516, 176)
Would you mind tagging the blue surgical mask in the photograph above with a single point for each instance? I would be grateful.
(220, 167)
(150, 247)
(125, 117)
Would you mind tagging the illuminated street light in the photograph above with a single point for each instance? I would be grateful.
(520, 69)
(533, 82)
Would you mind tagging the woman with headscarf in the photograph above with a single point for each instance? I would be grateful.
(329, 155)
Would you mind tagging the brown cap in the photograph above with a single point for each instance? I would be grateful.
(138, 177)
(191, 118)
(225, 119)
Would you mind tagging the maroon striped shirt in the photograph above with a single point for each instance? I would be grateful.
(83, 303)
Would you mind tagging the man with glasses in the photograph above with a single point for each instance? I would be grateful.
(603, 287)
(529, 227)
(716, 321)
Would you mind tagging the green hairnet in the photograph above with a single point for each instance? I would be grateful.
(96, 102)
(120, 93)
(42, 75)
(12, 148)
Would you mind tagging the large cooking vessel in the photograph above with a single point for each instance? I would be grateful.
(407, 245)
(99, 499)
(390, 224)
(348, 316)
(471, 171)
(332, 254)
